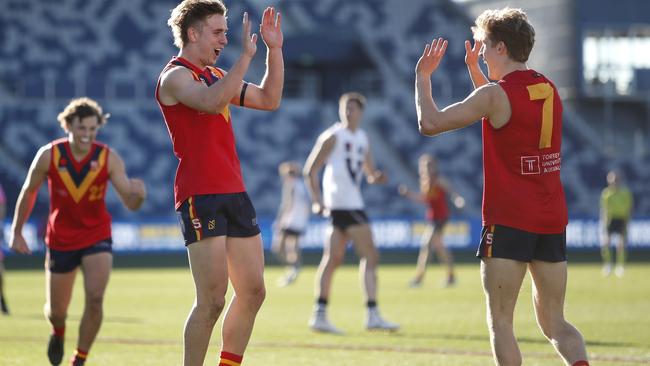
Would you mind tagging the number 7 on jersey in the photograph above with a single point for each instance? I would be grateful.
(544, 91)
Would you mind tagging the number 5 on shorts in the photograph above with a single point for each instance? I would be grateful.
(544, 91)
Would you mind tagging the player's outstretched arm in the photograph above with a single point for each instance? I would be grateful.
(178, 84)
(267, 95)
(457, 200)
(27, 197)
(404, 191)
(319, 154)
(132, 191)
(472, 54)
(433, 121)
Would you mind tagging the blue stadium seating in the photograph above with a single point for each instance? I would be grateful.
(113, 50)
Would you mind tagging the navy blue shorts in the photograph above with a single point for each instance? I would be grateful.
(438, 225)
(65, 261)
(498, 241)
(342, 219)
(207, 215)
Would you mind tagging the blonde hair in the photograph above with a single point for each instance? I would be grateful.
(188, 14)
(352, 96)
(81, 108)
(509, 26)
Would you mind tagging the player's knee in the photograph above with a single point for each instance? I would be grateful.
(371, 258)
(335, 260)
(211, 306)
(255, 295)
(94, 300)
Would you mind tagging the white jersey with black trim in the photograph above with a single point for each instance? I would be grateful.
(344, 169)
(295, 195)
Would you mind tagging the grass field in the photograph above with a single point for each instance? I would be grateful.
(145, 311)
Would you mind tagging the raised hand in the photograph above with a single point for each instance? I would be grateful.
(472, 53)
(249, 42)
(431, 57)
(270, 28)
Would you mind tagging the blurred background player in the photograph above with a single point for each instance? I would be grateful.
(524, 206)
(616, 205)
(218, 220)
(434, 191)
(79, 226)
(291, 221)
(3, 212)
(344, 150)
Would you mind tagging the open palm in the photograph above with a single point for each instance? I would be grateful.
(431, 57)
(270, 28)
(472, 52)
(249, 42)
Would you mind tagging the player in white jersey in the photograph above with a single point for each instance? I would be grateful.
(345, 150)
(291, 221)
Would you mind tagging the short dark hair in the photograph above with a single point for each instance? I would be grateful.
(190, 12)
(509, 26)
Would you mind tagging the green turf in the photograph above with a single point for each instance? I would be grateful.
(145, 311)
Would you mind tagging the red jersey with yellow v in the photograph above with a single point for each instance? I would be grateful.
(78, 215)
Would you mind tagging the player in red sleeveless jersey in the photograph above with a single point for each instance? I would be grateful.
(78, 170)
(434, 191)
(524, 209)
(217, 217)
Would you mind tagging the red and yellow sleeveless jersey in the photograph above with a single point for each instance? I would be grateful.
(203, 143)
(437, 209)
(522, 160)
(78, 215)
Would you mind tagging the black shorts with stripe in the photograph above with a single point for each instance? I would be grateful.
(498, 241)
(342, 219)
(209, 215)
(63, 261)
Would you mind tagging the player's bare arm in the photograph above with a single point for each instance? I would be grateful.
(472, 54)
(27, 197)
(267, 95)
(487, 101)
(178, 84)
(315, 161)
(132, 191)
(416, 197)
(373, 175)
